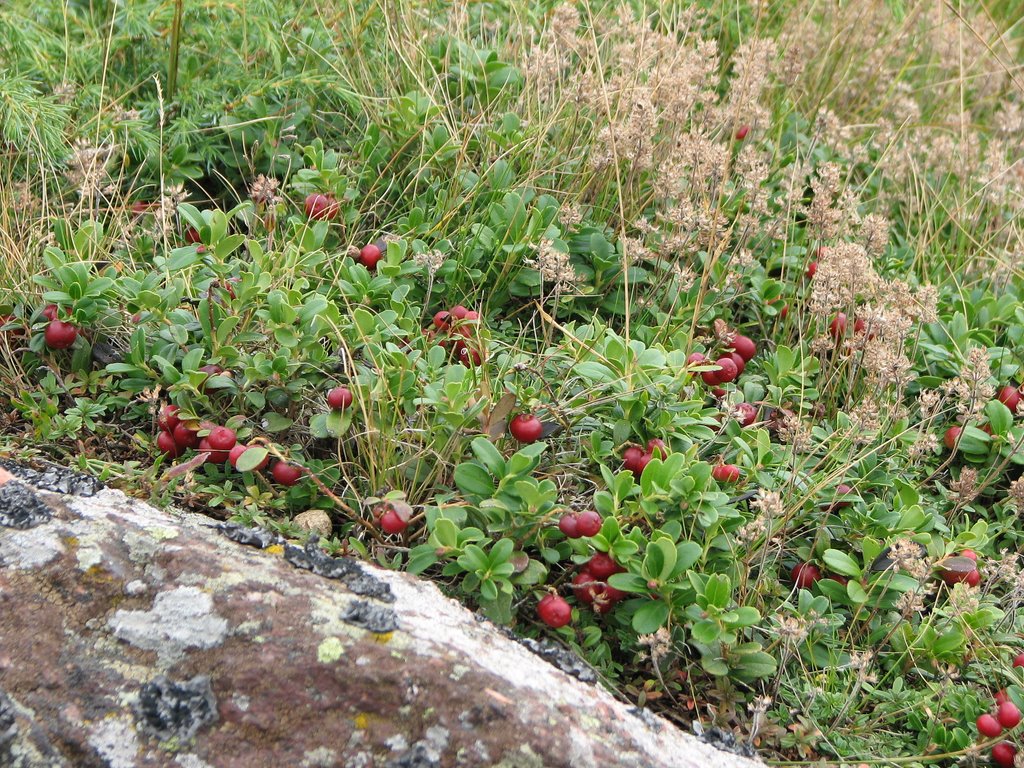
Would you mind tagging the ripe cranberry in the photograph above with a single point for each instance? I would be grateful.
(339, 398)
(746, 414)
(741, 364)
(567, 525)
(369, 255)
(838, 502)
(554, 611)
(583, 586)
(588, 523)
(657, 444)
(1018, 660)
(741, 132)
(973, 578)
(286, 474)
(60, 335)
(805, 575)
(729, 370)
(1008, 715)
(1010, 397)
(320, 207)
(744, 346)
(165, 442)
(459, 312)
(1001, 696)
(811, 269)
(602, 565)
(168, 418)
(970, 554)
(988, 726)
(526, 428)
(718, 392)
(631, 458)
(222, 438)
(237, 452)
(185, 437)
(217, 456)
(726, 473)
(695, 358)
(470, 356)
(951, 437)
(392, 522)
(471, 314)
(50, 312)
(838, 326)
(952, 577)
(442, 320)
(1003, 754)
(710, 377)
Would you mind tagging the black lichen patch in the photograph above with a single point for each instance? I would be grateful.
(169, 709)
(374, 618)
(20, 507)
(312, 558)
(251, 537)
(419, 756)
(560, 656)
(646, 717)
(727, 742)
(56, 479)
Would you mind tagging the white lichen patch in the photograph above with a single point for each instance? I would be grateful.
(321, 757)
(191, 761)
(30, 549)
(180, 619)
(114, 739)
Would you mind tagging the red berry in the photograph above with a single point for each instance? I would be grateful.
(584, 586)
(602, 565)
(50, 312)
(217, 456)
(988, 726)
(321, 207)
(1010, 397)
(741, 132)
(442, 320)
(710, 377)
(241, 448)
(1001, 696)
(554, 611)
(695, 358)
(744, 346)
(726, 473)
(838, 502)
(60, 335)
(471, 314)
(952, 577)
(746, 414)
(469, 356)
(185, 437)
(838, 326)
(1003, 754)
(392, 522)
(286, 474)
(718, 392)
(657, 444)
(567, 525)
(805, 575)
(339, 398)
(1018, 660)
(526, 428)
(640, 464)
(459, 312)
(168, 419)
(165, 442)
(729, 370)
(951, 437)
(222, 438)
(1008, 715)
(973, 578)
(811, 269)
(970, 554)
(369, 255)
(741, 364)
(588, 523)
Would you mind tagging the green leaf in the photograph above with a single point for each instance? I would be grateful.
(705, 632)
(650, 617)
(842, 563)
(489, 456)
(474, 480)
(251, 458)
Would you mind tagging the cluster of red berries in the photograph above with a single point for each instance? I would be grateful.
(730, 364)
(59, 334)
(576, 525)
(971, 578)
(323, 207)
(220, 444)
(991, 726)
(457, 329)
(635, 459)
(1009, 395)
(590, 586)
